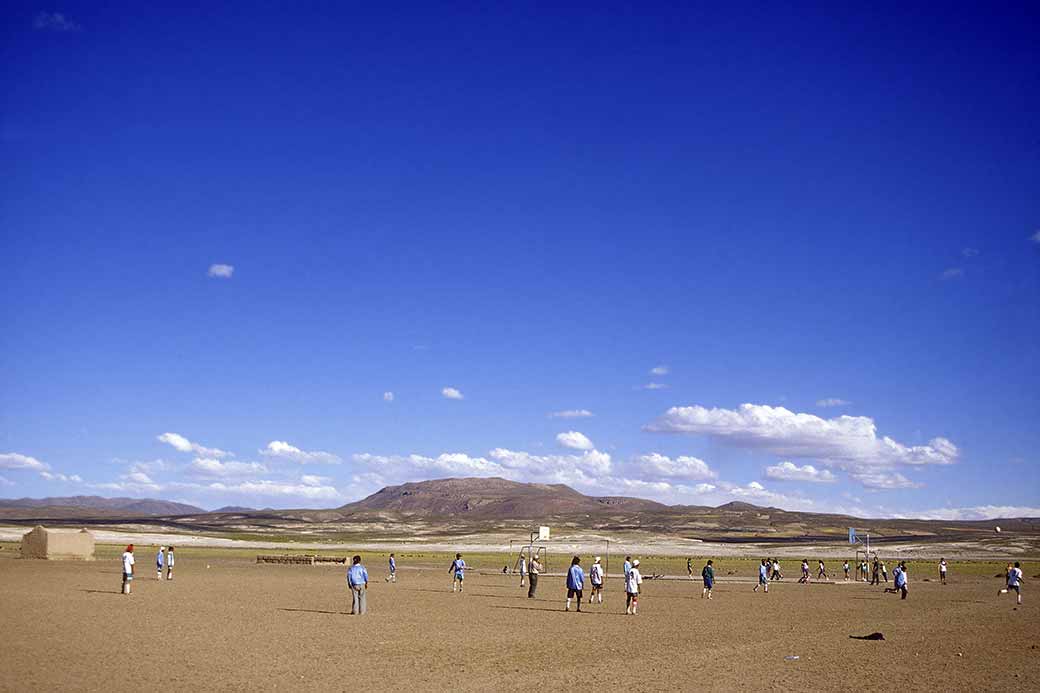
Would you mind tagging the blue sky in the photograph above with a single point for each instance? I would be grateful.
(243, 226)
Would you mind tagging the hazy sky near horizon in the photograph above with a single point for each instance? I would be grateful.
(285, 256)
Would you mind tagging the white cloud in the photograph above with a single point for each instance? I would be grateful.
(314, 480)
(452, 463)
(1035, 238)
(684, 467)
(571, 414)
(574, 440)
(951, 273)
(14, 460)
(221, 271)
(659, 370)
(275, 489)
(279, 448)
(182, 444)
(978, 512)
(54, 21)
(388, 396)
(970, 252)
(206, 466)
(882, 479)
(846, 442)
(655, 386)
(832, 402)
(64, 478)
(451, 393)
(789, 471)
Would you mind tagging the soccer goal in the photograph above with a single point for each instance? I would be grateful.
(540, 546)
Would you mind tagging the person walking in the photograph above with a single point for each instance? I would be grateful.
(392, 566)
(633, 579)
(128, 568)
(533, 569)
(575, 583)
(159, 564)
(1014, 581)
(777, 573)
(357, 580)
(689, 567)
(458, 568)
(822, 573)
(523, 569)
(805, 572)
(762, 579)
(596, 577)
(942, 571)
(169, 562)
(708, 575)
(845, 567)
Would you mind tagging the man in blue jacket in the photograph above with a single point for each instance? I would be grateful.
(575, 582)
(357, 580)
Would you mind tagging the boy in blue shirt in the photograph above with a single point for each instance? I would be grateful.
(458, 567)
(159, 564)
(392, 577)
(357, 580)
(575, 583)
(763, 578)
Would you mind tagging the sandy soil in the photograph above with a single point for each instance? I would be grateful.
(237, 626)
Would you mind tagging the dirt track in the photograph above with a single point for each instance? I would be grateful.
(239, 626)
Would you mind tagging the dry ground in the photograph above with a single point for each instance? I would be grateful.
(242, 626)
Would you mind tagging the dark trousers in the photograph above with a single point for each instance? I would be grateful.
(533, 586)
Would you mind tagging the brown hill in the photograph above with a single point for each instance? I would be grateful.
(492, 498)
(67, 506)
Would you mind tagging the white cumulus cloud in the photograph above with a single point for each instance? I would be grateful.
(182, 444)
(574, 440)
(14, 460)
(206, 466)
(832, 402)
(789, 471)
(683, 467)
(451, 393)
(220, 271)
(282, 449)
(979, 512)
(64, 478)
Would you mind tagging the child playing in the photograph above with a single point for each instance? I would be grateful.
(458, 567)
(128, 568)
(708, 574)
(158, 564)
(845, 567)
(169, 562)
(805, 572)
(1014, 581)
(632, 582)
(596, 576)
(822, 574)
(392, 565)
(777, 574)
(942, 571)
(575, 583)
(763, 581)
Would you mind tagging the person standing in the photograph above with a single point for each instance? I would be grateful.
(392, 567)
(628, 566)
(876, 579)
(1014, 581)
(357, 581)
(884, 572)
(532, 574)
(845, 567)
(596, 576)
(689, 567)
(169, 562)
(575, 583)
(458, 568)
(523, 569)
(777, 573)
(708, 575)
(762, 579)
(128, 568)
(633, 579)
(902, 579)
(159, 564)
(942, 571)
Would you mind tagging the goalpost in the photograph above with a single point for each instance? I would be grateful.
(862, 554)
(538, 546)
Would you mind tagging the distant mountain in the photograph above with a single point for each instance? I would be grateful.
(492, 498)
(235, 509)
(60, 506)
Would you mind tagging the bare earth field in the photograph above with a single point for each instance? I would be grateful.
(237, 625)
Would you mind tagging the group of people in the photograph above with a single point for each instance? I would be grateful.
(161, 560)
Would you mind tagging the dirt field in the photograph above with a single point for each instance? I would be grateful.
(237, 626)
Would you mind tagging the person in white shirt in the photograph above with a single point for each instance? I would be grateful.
(596, 575)
(169, 562)
(523, 570)
(942, 571)
(1014, 581)
(128, 568)
(632, 582)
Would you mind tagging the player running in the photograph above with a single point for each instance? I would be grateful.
(1014, 581)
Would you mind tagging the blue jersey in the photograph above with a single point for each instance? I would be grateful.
(357, 575)
(460, 567)
(159, 559)
(628, 568)
(393, 565)
(762, 572)
(575, 578)
(900, 577)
